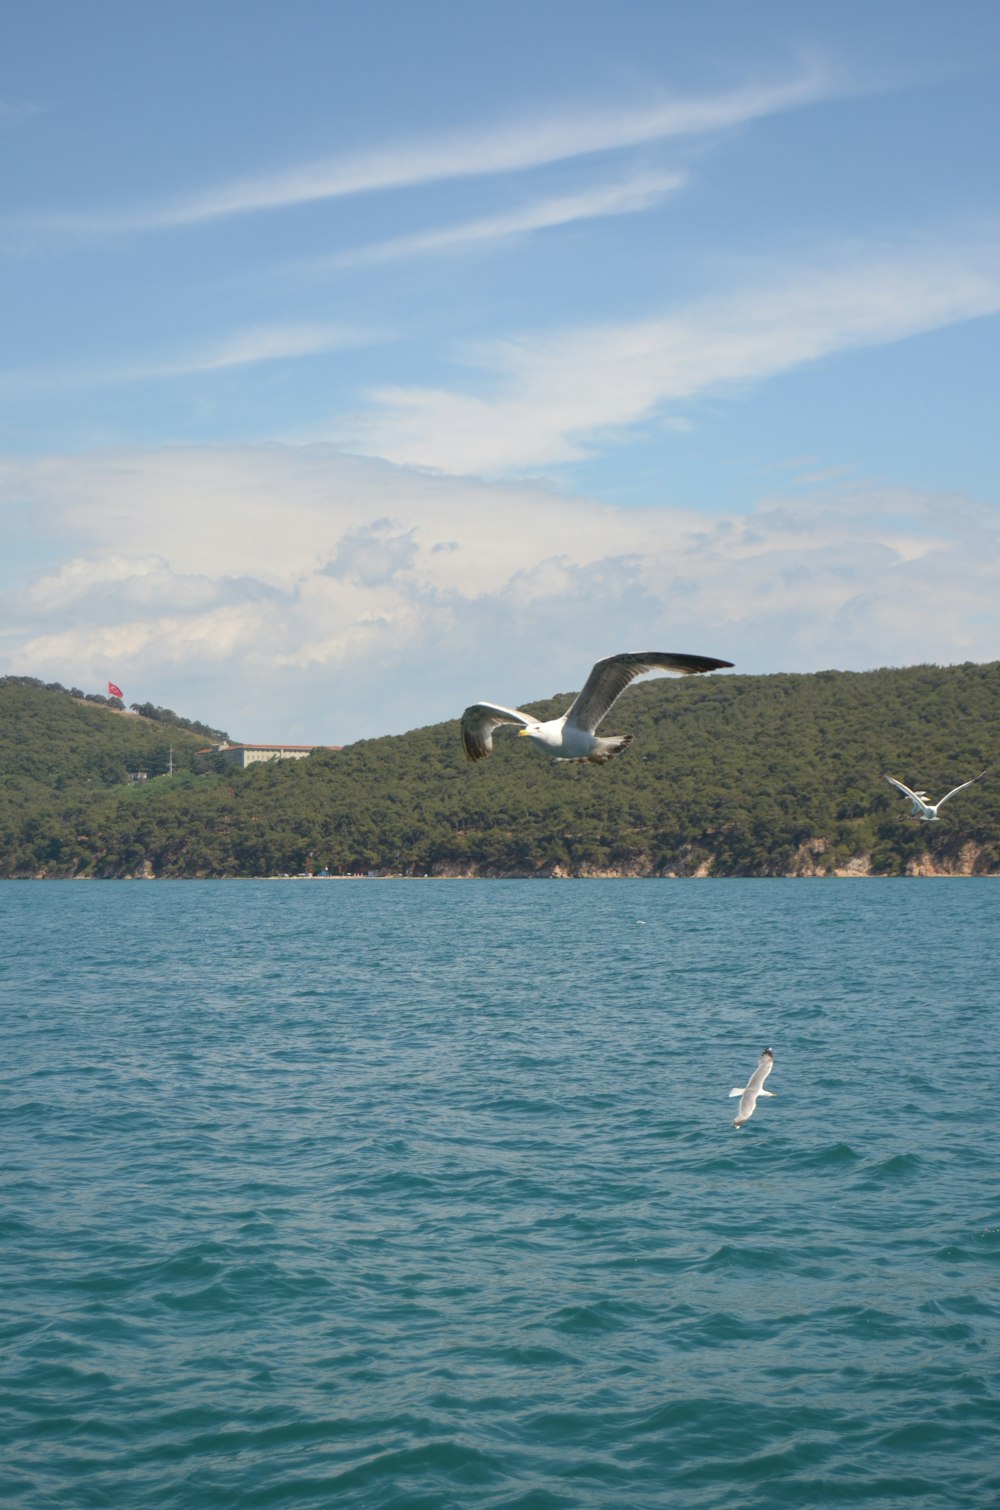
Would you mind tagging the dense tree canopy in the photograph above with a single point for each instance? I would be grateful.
(729, 775)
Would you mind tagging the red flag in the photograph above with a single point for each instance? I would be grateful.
(115, 691)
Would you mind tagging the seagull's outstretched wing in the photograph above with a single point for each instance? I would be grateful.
(478, 723)
(609, 678)
(905, 790)
(961, 788)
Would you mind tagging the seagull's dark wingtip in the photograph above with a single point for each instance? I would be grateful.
(698, 663)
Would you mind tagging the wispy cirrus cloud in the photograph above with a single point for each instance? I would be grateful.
(13, 112)
(626, 198)
(501, 149)
(552, 398)
(247, 348)
(266, 343)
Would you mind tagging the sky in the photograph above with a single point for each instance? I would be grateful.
(360, 361)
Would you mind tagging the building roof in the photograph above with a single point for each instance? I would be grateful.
(276, 745)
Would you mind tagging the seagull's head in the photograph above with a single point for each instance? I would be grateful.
(546, 735)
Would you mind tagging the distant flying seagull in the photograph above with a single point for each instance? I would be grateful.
(928, 811)
(572, 737)
(750, 1092)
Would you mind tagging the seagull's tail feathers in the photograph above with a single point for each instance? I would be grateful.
(608, 748)
(737, 1090)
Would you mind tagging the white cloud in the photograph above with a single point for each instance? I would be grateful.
(555, 396)
(274, 512)
(245, 348)
(13, 112)
(374, 554)
(626, 198)
(120, 586)
(264, 343)
(202, 580)
(501, 149)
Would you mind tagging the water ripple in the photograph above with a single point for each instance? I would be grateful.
(298, 1209)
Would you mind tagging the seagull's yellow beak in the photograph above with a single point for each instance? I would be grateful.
(521, 733)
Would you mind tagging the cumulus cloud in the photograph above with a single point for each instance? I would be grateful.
(318, 597)
(373, 555)
(118, 586)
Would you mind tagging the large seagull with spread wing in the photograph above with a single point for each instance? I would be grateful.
(749, 1093)
(573, 736)
(922, 808)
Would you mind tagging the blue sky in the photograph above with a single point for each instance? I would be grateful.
(363, 360)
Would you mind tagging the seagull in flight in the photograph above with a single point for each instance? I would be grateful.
(573, 736)
(928, 811)
(750, 1092)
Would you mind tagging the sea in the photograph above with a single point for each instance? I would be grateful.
(426, 1194)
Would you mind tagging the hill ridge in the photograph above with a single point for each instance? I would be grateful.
(733, 775)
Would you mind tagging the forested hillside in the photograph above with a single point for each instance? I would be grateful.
(728, 776)
(57, 737)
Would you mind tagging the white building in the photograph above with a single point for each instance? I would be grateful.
(244, 755)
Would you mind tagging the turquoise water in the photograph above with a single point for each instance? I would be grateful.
(426, 1194)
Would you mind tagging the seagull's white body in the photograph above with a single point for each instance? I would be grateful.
(749, 1093)
(573, 737)
(921, 808)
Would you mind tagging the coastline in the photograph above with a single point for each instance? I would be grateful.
(914, 872)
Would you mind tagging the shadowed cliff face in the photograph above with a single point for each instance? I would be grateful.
(967, 861)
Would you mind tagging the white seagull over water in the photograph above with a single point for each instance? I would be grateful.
(754, 1089)
(572, 736)
(928, 811)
